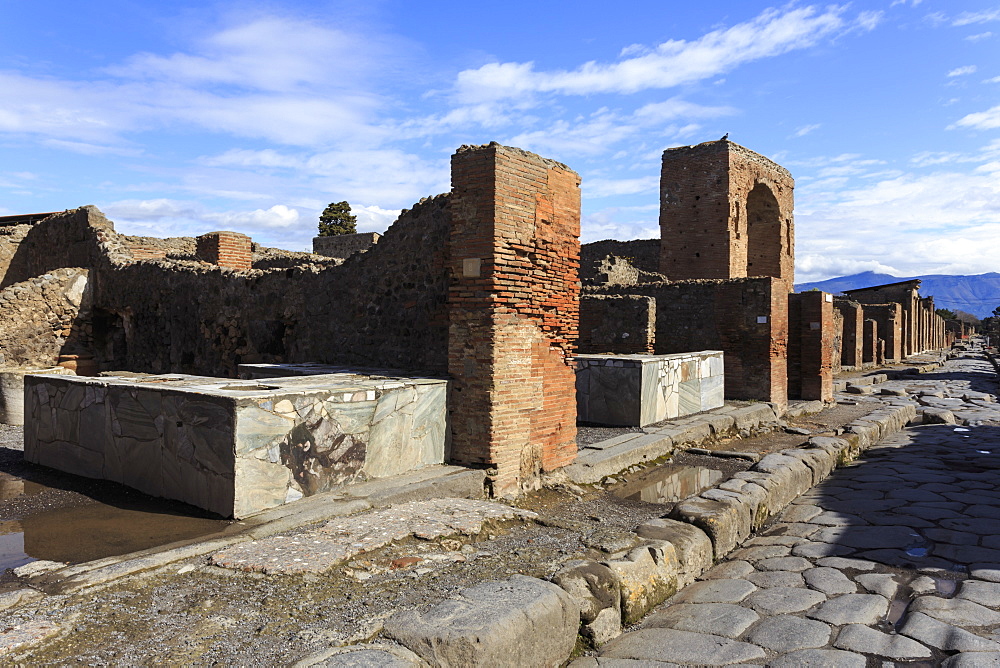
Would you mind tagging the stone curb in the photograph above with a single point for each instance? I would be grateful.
(610, 457)
(434, 482)
(703, 529)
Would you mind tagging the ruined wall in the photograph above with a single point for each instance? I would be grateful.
(386, 308)
(745, 318)
(13, 266)
(619, 324)
(45, 317)
(641, 254)
(514, 304)
(890, 328)
(810, 346)
(852, 347)
(725, 212)
(905, 294)
(344, 245)
(838, 340)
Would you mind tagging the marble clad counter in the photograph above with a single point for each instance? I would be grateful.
(235, 447)
(638, 390)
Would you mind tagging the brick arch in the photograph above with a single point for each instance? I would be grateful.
(764, 232)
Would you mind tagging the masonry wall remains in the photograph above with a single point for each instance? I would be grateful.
(745, 318)
(514, 309)
(618, 324)
(725, 212)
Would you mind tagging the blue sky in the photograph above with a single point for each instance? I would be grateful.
(178, 118)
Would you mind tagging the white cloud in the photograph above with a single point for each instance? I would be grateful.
(981, 120)
(273, 78)
(669, 64)
(970, 18)
(806, 129)
(604, 128)
(819, 266)
(962, 71)
(979, 36)
(992, 80)
(920, 223)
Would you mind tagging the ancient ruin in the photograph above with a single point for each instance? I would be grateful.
(393, 387)
(477, 287)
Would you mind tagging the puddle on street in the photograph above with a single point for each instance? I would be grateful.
(668, 484)
(86, 528)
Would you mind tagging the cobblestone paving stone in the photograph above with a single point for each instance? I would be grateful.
(893, 560)
(338, 540)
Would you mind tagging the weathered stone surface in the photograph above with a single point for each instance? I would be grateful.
(721, 619)
(785, 633)
(857, 638)
(819, 658)
(776, 579)
(879, 583)
(784, 600)
(830, 581)
(605, 627)
(648, 576)
(983, 593)
(594, 586)
(794, 564)
(944, 636)
(670, 645)
(852, 609)
(19, 636)
(938, 416)
(717, 591)
(518, 621)
(364, 656)
(692, 545)
(957, 611)
(973, 660)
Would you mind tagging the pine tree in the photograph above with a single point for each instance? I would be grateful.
(337, 219)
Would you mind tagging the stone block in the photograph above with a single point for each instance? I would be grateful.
(520, 621)
(692, 546)
(648, 576)
(637, 390)
(237, 447)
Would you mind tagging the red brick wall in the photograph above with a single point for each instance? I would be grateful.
(226, 249)
(141, 252)
(810, 346)
(725, 212)
(514, 308)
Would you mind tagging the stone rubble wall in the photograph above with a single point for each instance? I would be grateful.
(45, 317)
(642, 256)
(385, 308)
(617, 324)
(344, 245)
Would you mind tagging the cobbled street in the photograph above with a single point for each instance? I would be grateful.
(893, 560)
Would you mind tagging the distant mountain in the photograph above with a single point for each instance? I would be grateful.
(978, 294)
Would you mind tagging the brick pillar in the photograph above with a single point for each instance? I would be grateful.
(869, 352)
(810, 322)
(226, 249)
(854, 329)
(514, 310)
